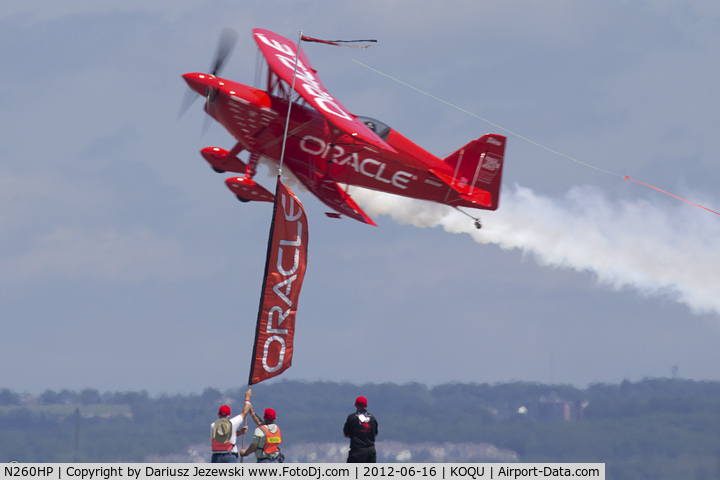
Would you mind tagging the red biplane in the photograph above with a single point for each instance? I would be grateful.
(327, 147)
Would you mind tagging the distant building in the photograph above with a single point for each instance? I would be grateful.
(552, 407)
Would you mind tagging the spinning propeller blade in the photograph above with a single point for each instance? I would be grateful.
(187, 102)
(227, 41)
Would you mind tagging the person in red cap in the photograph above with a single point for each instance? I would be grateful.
(224, 432)
(266, 439)
(361, 428)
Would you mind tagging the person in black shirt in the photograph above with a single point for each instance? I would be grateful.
(361, 428)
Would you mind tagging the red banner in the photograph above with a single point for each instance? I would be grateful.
(284, 272)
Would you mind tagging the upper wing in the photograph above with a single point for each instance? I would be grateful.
(280, 54)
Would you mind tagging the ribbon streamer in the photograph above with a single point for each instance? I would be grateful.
(338, 43)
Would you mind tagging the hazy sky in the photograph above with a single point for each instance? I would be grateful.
(124, 259)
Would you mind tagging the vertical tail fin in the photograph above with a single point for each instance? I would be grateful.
(477, 170)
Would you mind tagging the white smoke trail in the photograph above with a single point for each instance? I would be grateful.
(626, 244)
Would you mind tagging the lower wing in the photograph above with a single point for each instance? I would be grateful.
(330, 193)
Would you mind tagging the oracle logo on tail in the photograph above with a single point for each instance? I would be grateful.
(305, 77)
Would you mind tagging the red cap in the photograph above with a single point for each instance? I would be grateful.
(224, 411)
(361, 401)
(269, 414)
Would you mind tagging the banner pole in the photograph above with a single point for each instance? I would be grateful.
(272, 224)
(242, 442)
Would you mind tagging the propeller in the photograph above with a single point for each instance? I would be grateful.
(228, 39)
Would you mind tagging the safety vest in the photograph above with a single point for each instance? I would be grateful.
(272, 440)
(221, 447)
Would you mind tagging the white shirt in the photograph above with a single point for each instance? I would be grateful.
(236, 424)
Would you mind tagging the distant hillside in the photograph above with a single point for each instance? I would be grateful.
(388, 452)
(656, 428)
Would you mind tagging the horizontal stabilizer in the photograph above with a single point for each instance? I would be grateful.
(466, 191)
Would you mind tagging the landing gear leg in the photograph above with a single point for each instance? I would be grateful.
(477, 222)
(251, 169)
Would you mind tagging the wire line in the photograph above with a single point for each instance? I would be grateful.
(515, 134)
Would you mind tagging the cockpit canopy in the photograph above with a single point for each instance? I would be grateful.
(381, 129)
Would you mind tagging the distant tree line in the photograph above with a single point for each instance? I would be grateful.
(655, 428)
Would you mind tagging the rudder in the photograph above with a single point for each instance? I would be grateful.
(477, 170)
